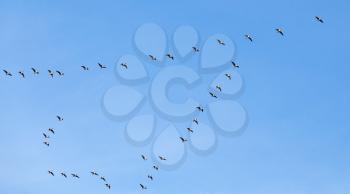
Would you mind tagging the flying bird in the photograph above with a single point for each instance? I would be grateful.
(220, 42)
(64, 174)
(150, 177)
(318, 18)
(46, 143)
(143, 187)
(94, 173)
(124, 65)
(170, 56)
(101, 66)
(189, 129)
(247, 36)
(59, 118)
(280, 31)
(195, 49)
(156, 167)
(200, 109)
(195, 121)
(60, 73)
(103, 178)
(51, 173)
(7, 73)
(213, 95)
(35, 72)
(153, 58)
(22, 74)
(228, 76)
(161, 158)
(143, 157)
(218, 88)
(85, 68)
(235, 65)
(108, 186)
(183, 139)
(46, 136)
(51, 130)
(50, 73)
(75, 176)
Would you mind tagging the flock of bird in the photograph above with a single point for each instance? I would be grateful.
(63, 174)
(213, 94)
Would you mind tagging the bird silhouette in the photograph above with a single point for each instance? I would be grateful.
(108, 186)
(153, 58)
(50, 73)
(51, 130)
(213, 95)
(7, 73)
(143, 187)
(220, 42)
(170, 56)
(46, 136)
(195, 121)
(64, 174)
(218, 88)
(85, 68)
(228, 76)
(101, 66)
(124, 65)
(75, 175)
(51, 173)
(46, 143)
(143, 157)
(247, 36)
(150, 177)
(22, 74)
(200, 109)
(94, 173)
(59, 118)
(59, 73)
(195, 49)
(183, 140)
(318, 18)
(103, 178)
(161, 158)
(156, 167)
(280, 31)
(189, 129)
(35, 72)
(235, 65)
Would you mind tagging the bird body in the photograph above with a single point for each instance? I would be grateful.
(108, 186)
(200, 109)
(234, 64)
(22, 74)
(124, 65)
(318, 18)
(213, 95)
(170, 56)
(75, 176)
(60, 73)
(280, 31)
(248, 37)
(51, 173)
(228, 76)
(189, 129)
(7, 73)
(35, 72)
(220, 42)
(195, 121)
(183, 139)
(64, 174)
(85, 68)
(150, 177)
(143, 157)
(101, 66)
(59, 118)
(218, 88)
(195, 49)
(156, 167)
(46, 143)
(153, 58)
(161, 158)
(143, 187)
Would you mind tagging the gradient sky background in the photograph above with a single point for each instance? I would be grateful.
(296, 94)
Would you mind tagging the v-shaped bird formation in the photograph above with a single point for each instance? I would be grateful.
(213, 94)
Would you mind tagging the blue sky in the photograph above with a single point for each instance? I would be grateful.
(296, 93)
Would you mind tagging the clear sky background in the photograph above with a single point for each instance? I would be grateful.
(296, 94)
